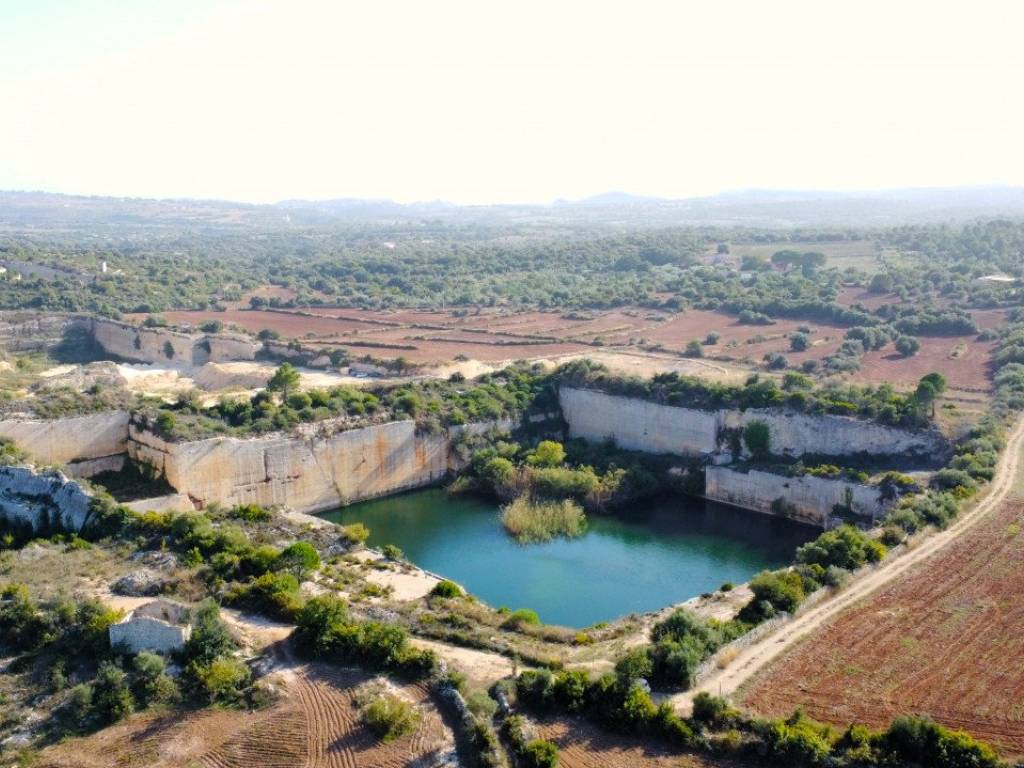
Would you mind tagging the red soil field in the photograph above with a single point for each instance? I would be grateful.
(582, 745)
(497, 335)
(945, 640)
(963, 360)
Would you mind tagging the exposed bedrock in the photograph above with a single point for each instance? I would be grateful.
(307, 473)
(162, 345)
(86, 444)
(805, 498)
(42, 499)
(644, 426)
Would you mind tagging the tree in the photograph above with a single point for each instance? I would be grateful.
(548, 453)
(693, 349)
(881, 283)
(111, 699)
(928, 390)
(299, 559)
(210, 637)
(798, 342)
(907, 345)
(284, 380)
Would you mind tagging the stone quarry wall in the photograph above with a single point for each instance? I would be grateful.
(638, 425)
(798, 434)
(88, 444)
(23, 331)
(149, 345)
(644, 426)
(810, 499)
(308, 473)
(26, 495)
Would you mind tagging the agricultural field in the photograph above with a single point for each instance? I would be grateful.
(316, 724)
(582, 745)
(944, 640)
(499, 336)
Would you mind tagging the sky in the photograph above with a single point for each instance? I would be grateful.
(496, 102)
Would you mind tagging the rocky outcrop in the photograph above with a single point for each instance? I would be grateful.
(307, 472)
(42, 499)
(806, 498)
(641, 425)
(163, 345)
(92, 437)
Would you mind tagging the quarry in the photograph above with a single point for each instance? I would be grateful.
(331, 463)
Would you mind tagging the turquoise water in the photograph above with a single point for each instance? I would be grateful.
(659, 553)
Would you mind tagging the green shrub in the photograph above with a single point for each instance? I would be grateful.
(446, 589)
(222, 680)
(539, 753)
(354, 534)
(390, 717)
(757, 437)
(920, 741)
(845, 547)
(520, 618)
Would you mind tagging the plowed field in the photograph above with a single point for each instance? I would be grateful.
(582, 745)
(316, 725)
(946, 640)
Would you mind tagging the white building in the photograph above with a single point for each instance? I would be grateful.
(160, 626)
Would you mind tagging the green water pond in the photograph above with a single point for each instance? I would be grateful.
(658, 553)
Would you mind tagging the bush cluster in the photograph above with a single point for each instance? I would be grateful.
(324, 629)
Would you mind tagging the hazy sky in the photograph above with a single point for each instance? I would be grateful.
(483, 101)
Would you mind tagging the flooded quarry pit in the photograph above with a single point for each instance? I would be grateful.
(658, 553)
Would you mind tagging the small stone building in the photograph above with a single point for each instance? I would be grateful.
(161, 626)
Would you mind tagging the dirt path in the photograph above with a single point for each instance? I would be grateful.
(751, 660)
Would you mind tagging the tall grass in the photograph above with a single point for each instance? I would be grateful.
(531, 521)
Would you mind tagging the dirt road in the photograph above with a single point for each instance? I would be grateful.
(751, 660)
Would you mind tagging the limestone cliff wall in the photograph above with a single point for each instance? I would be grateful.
(22, 331)
(638, 425)
(72, 439)
(810, 499)
(307, 473)
(644, 426)
(27, 495)
(150, 345)
(797, 434)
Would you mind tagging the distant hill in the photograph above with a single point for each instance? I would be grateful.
(773, 209)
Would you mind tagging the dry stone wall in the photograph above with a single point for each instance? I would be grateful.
(808, 498)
